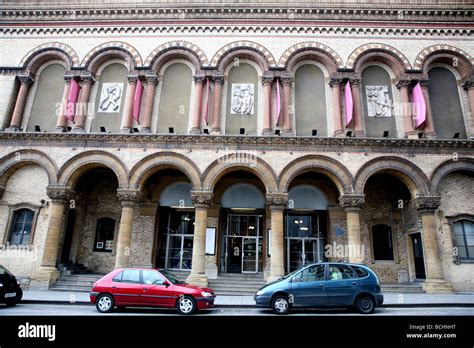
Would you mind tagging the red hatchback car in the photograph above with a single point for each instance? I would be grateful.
(148, 288)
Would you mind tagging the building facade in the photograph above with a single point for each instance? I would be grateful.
(247, 137)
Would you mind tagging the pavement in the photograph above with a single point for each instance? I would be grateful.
(390, 299)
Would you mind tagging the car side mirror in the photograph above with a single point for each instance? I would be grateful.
(166, 283)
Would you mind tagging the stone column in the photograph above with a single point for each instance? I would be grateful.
(357, 113)
(61, 122)
(216, 105)
(128, 199)
(25, 82)
(405, 109)
(80, 119)
(430, 132)
(277, 203)
(426, 207)
(47, 272)
(267, 115)
(201, 201)
(469, 88)
(151, 81)
(352, 205)
(127, 121)
(198, 87)
(335, 84)
(287, 126)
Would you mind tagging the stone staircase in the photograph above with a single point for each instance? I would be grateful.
(237, 284)
(406, 288)
(75, 282)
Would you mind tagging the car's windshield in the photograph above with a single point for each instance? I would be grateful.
(291, 274)
(3, 270)
(171, 277)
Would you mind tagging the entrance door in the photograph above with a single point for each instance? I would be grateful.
(234, 255)
(249, 255)
(301, 252)
(418, 256)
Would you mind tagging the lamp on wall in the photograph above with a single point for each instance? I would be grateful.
(314, 132)
(242, 131)
(456, 136)
(37, 128)
(385, 134)
(420, 135)
(349, 134)
(135, 130)
(277, 132)
(68, 129)
(102, 129)
(206, 131)
(170, 130)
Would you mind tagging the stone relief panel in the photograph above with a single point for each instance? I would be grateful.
(378, 101)
(242, 102)
(111, 97)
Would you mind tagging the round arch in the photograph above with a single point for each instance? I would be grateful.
(72, 170)
(15, 160)
(176, 50)
(447, 167)
(163, 160)
(311, 50)
(234, 162)
(331, 168)
(244, 49)
(411, 175)
(381, 52)
(109, 50)
(444, 54)
(242, 195)
(36, 57)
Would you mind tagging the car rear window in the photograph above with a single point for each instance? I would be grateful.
(118, 278)
(361, 273)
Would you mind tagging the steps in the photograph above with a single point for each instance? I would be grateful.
(237, 284)
(75, 282)
(406, 288)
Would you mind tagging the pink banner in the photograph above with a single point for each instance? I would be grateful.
(348, 103)
(137, 102)
(418, 100)
(72, 100)
(206, 103)
(278, 100)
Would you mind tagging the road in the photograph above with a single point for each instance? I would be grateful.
(74, 310)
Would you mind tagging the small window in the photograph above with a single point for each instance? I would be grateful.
(118, 278)
(464, 239)
(131, 276)
(340, 272)
(104, 236)
(382, 242)
(152, 277)
(21, 227)
(310, 274)
(361, 273)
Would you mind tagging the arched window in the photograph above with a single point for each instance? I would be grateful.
(378, 102)
(382, 242)
(175, 97)
(464, 239)
(47, 99)
(445, 104)
(104, 235)
(310, 100)
(21, 227)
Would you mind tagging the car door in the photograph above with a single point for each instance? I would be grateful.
(308, 287)
(156, 291)
(126, 287)
(342, 285)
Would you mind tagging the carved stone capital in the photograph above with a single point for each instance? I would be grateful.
(427, 204)
(87, 79)
(26, 78)
(151, 77)
(201, 199)
(403, 83)
(468, 84)
(286, 80)
(352, 202)
(132, 77)
(126, 196)
(335, 81)
(424, 83)
(277, 200)
(267, 79)
(60, 194)
(355, 82)
(218, 79)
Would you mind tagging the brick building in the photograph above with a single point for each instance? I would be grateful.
(217, 138)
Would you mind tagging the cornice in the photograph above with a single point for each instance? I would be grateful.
(410, 147)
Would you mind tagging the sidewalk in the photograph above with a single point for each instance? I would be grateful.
(390, 299)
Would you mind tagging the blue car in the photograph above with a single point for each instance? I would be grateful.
(323, 284)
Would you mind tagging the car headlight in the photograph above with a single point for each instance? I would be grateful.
(260, 292)
(206, 294)
(1, 285)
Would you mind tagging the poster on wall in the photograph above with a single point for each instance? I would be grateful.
(378, 101)
(242, 99)
(210, 241)
(269, 243)
(109, 245)
(99, 245)
(111, 97)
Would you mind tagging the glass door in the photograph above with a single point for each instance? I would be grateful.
(249, 255)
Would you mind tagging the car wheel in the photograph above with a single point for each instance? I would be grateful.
(105, 303)
(365, 304)
(186, 305)
(280, 304)
(11, 303)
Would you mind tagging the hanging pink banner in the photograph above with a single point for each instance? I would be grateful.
(72, 100)
(418, 100)
(206, 103)
(278, 100)
(348, 103)
(137, 102)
